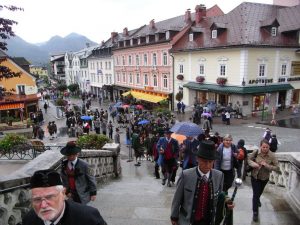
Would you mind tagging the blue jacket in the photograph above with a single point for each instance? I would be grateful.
(162, 143)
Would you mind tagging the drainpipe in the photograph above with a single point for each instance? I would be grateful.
(173, 94)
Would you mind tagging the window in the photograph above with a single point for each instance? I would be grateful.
(123, 60)
(283, 70)
(146, 79)
(201, 69)
(222, 70)
(154, 60)
(154, 80)
(117, 60)
(109, 65)
(167, 35)
(274, 31)
(165, 81)
(101, 65)
(191, 37)
(21, 89)
(130, 78)
(137, 60)
(165, 59)
(129, 60)
(261, 70)
(110, 81)
(214, 34)
(106, 65)
(145, 60)
(137, 78)
(124, 78)
(97, 65)
(106, 79)
(180, 68)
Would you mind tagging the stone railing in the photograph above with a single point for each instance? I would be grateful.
(14, 188)
(287, 181)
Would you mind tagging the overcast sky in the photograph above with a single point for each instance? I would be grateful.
(96, 19)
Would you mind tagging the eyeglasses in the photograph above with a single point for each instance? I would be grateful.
(47, 198)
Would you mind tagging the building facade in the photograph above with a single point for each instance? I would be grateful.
(58, 67)
(252, 61)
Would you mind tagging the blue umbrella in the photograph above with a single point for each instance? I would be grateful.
(142, 122)
(187, 129)
(118, 105)
(86, 117)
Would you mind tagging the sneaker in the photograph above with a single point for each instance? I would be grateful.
(255, 216)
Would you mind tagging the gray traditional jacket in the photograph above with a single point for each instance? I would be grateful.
(84, 180)
(183, 201)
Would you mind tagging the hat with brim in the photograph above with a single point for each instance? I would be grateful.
(45, 178)
(207, 150)
(168, 131)
(70, 149)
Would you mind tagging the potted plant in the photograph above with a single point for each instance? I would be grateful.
(92, 141)
(221, 81)
(200, 79)
(180, 77)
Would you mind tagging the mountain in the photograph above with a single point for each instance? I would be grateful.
(39, 54)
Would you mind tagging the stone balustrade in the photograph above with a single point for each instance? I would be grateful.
(287, 180)
(14, 188)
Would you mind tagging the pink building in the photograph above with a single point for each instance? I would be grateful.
(286, 2)
(142, 60)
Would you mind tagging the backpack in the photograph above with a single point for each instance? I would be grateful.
(273, 144)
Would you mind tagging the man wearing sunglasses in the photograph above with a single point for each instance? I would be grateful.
(51, 208)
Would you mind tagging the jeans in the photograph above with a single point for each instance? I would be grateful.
(258, 187)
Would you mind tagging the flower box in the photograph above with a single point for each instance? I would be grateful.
(221, 81)
(200, 79)
(180, 77)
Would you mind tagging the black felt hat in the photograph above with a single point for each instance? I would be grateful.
(207, 150)
(70, 149)
(45, 178)
(168, 131)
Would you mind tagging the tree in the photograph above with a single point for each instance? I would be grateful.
(73, 87)
(179, 96)
(5, 33)
(62, 87)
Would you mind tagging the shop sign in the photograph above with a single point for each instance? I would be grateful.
(261, 81)
(283, 79)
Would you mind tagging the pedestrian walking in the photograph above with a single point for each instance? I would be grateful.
(49, 206)
(77, 176)
(227, 116)
(179, 107)
(263, 162)
(117, 137)
(182, 107)
(198, 191)
(45, 107)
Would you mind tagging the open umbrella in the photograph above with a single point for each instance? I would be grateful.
(180, 138)
(187, 129)
(118, 105)
(142, 122)
(125, 106)
(86, 117)
(139, 107)
(206, 114)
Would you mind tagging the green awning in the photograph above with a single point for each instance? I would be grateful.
(226, 89)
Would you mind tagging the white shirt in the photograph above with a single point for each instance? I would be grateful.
(202, 174)
(72, 162)
(226, 162)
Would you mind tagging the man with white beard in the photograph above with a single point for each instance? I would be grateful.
(51, 208)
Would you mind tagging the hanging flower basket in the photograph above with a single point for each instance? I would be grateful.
(180, 77)
(221, 81)
(200, 79)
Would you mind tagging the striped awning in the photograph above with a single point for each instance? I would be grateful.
(8, 106)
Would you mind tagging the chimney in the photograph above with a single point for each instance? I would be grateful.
(200, 13)
(152, 24)
(187, 17)
(87, 45)
(113, 36)
(102, 43)
(125, 31)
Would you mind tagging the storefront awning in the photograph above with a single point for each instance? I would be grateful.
(296, 85)
(146, 96)
(11, 106)
(238, 89)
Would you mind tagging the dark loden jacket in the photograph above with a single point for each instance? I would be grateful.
(75, 214)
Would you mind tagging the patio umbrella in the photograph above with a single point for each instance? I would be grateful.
(86, 117)
(206, 114)
(187, 129)
(180, 138)
(139, 107)
(142, 122)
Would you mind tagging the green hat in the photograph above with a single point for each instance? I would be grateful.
(207, 150)
(70, 149)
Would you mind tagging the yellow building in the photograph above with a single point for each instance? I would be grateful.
(38, 70)
(18, 93)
